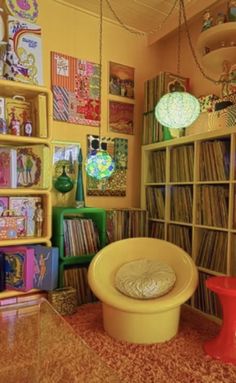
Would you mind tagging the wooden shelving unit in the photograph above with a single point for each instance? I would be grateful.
(219, 39)
(42, 121)
(196, 207)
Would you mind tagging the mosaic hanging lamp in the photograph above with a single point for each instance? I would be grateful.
(99, 164)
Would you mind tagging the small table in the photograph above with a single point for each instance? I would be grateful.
(39, 346)
(223, 347)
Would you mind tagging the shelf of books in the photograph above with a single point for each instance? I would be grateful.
(25, 184)
(189, 190)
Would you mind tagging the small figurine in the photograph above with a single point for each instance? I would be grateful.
(221, 18)
(3, 126)
(224, 78)
(207, 20)
(14, 126)
(27, 128)
(38, 218)
(232, 10)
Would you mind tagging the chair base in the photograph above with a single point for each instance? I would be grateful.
(141, 328)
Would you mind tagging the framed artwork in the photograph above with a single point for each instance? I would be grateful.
(75, 88)
(65, 153)
(121, 80)
(115, 186)
(121, 117)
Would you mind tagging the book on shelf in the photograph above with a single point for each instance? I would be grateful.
(19, 267)
(2, 271)
(33, 166)
(25, 206)
(8, 170)
(46, 261)
(40, 115)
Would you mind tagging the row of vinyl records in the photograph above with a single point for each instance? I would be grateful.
(212, 250)
(215, 160)
(126, 223)
(212, 204)
(78, 278)
(206, 300)
(81, 234)
(80, 237)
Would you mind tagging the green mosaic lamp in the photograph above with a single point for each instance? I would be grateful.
(99, 164)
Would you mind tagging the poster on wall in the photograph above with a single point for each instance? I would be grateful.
(121, 117)
(116, 184)
(121, 80)
(75, 88)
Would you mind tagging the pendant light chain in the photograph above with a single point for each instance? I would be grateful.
(100, 68)
(179, 42)
(217, 82)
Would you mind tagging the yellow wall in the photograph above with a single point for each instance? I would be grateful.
(168, 46)
(71, 31)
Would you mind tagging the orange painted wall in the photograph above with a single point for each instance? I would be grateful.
(71, 31)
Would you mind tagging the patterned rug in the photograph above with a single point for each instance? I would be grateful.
(180, 360)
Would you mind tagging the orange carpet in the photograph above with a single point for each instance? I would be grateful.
(180, 360)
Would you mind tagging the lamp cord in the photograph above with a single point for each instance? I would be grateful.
(217, 82)
(179, 42)
(100, 68)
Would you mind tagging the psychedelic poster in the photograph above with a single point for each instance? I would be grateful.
(115, 186)
(121, 117)
(76, 92)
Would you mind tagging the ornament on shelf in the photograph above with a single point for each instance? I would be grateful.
(207, 20)
(63, 183)
(221, 18)
(232, 10)
(38, 218)
(14, 125)
(3, 126)
(23, 9)
(79, 194)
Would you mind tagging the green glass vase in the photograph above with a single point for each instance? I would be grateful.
(63, 183)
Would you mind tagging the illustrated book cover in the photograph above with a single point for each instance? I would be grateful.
(24, 53)
(45, 267)
(3, 204)
(8, 176)
(19, 267)
(2, 271)
(25, 206)
(33, 166)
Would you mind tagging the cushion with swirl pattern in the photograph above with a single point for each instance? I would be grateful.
(145, 279)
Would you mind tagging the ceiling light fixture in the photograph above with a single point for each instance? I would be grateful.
(99, 164)
(177, 109)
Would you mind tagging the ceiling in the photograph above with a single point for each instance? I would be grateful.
(148, 16)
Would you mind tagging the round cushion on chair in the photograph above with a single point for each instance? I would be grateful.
(145, 279)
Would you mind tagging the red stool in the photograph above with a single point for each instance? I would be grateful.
(223, 347)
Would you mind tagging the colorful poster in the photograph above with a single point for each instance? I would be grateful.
(114, 186)
(121, 117)
(76, 91)
(121, 80)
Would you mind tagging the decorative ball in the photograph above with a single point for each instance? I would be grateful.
(177, 110)
(100, 165)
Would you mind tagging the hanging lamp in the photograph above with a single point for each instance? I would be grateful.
(99, 164)
(177, 109)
